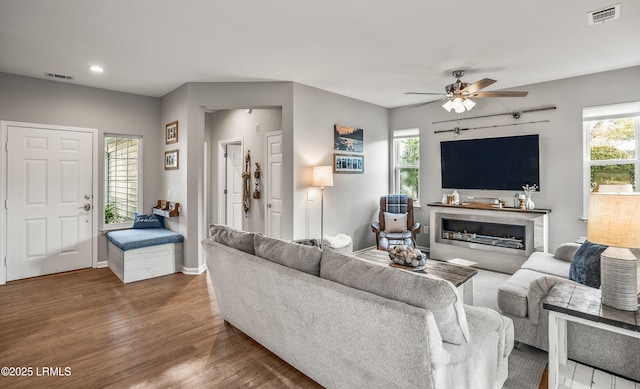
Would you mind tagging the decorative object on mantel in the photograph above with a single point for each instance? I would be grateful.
(613, 221)
(528, 190)
(256, 175)
(456, 130)
(514, 114)
(166, 208)
(246, 177)
(322, 176)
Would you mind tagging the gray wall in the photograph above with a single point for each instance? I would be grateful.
(561, 146)
(33, 100)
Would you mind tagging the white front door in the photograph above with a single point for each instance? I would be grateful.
(49, 201)
(234, 186)
(273, 185)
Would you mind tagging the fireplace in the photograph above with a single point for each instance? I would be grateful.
(493, 234)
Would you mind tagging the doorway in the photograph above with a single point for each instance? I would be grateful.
(230, 182)
(49, 219)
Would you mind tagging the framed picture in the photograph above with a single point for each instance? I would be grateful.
(171, 159)
(345, 163)
(171, 132)
(348, 139)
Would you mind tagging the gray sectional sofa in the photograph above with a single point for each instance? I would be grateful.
(350, 324)
(520, 298)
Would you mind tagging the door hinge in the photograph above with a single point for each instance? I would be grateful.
(224, 191)
(226, 154)
(5, 204)
(6, 146)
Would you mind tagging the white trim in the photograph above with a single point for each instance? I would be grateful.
(4, 128)
(265, 181)
(194, 271)
(102, 264)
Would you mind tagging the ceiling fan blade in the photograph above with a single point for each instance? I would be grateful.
(499, 94)
(476, 86)
(425, 93)
(421, 104)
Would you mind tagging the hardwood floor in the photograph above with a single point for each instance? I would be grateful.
(156, 333)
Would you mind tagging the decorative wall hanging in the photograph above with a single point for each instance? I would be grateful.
(246, 177)
(348, 139)
(256, 175)
(171, 132)
(171, 159)
(457, 130)
(343, 163)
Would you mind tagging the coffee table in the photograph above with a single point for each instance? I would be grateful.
(460, 276)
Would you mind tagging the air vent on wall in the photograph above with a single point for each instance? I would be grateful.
(604, 14)
(58, 76)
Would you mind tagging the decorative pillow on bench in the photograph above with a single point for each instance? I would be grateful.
(585, 264)
(147, 220)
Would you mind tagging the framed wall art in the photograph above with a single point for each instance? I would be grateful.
(171, 159)
(348, 139)
(171, 132)
(345, 163)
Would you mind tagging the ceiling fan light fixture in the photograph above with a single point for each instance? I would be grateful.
(468, 104)
(457, 104)
(448, 105)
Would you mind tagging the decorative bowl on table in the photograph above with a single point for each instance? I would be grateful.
(407, 257)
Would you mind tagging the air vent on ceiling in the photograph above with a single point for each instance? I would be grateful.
(59, 76)
(604, 14)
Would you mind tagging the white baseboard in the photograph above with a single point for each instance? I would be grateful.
(102, 264)
(194, 271)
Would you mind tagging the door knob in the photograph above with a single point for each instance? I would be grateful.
(269, 205)
(86, 207)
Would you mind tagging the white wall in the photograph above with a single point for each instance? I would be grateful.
(560, 141)
(350, 205)
(62, 103)
(226, 124)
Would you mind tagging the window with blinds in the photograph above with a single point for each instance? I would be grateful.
(122, 178)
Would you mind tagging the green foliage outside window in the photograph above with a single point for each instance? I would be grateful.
(112, 214)
(612, 140)
(409, 176)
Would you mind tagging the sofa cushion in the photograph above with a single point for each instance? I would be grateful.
(226, 235)
(566, 250)
(424, 291)
(585, 264)
(546, 263)
(297, 256)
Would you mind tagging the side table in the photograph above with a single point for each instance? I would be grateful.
(581, 304)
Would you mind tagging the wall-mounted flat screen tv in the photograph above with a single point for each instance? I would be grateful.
(505, 163)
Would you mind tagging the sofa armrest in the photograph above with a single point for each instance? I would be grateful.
(565, 251)
(538, 290)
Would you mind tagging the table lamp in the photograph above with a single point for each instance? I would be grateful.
(322, 176)
(614, 221)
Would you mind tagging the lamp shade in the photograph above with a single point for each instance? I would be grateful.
(322, 176)
(614, 219)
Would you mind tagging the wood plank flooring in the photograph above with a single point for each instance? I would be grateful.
(158, 333)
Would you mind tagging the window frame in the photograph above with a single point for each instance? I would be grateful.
(399, 135)
(140, 205)
(607, 112)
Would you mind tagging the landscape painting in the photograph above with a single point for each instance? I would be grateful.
(348, 139)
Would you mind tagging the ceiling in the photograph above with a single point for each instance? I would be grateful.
(371, 50)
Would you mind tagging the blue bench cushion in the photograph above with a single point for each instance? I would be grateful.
(138, 238)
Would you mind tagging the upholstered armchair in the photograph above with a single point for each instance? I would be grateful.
(395, 223)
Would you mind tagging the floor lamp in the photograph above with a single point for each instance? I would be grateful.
(322, 176)
(613, 221)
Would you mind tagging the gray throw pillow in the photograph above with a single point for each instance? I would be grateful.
(226, 235)
(585, 264)
(433, 294)
(297, 256)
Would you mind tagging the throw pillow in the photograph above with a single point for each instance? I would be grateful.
(147, 220)
(585, 264)
(395, 222)
(297, 256)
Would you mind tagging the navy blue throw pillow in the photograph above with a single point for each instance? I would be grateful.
(147, 220)
(585, 264)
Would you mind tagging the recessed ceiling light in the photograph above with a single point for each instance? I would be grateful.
(96, 69)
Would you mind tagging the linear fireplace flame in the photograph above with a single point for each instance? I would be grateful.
(493, 234)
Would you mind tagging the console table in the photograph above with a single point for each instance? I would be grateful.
(580, 304)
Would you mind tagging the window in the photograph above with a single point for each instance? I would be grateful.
(611, 152)
(122, 175)
(406, 166)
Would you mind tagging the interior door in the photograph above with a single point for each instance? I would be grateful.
(49, 201)
(234, 186)
(273, 185)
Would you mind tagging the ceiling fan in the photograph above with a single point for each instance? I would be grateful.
(458, 94)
